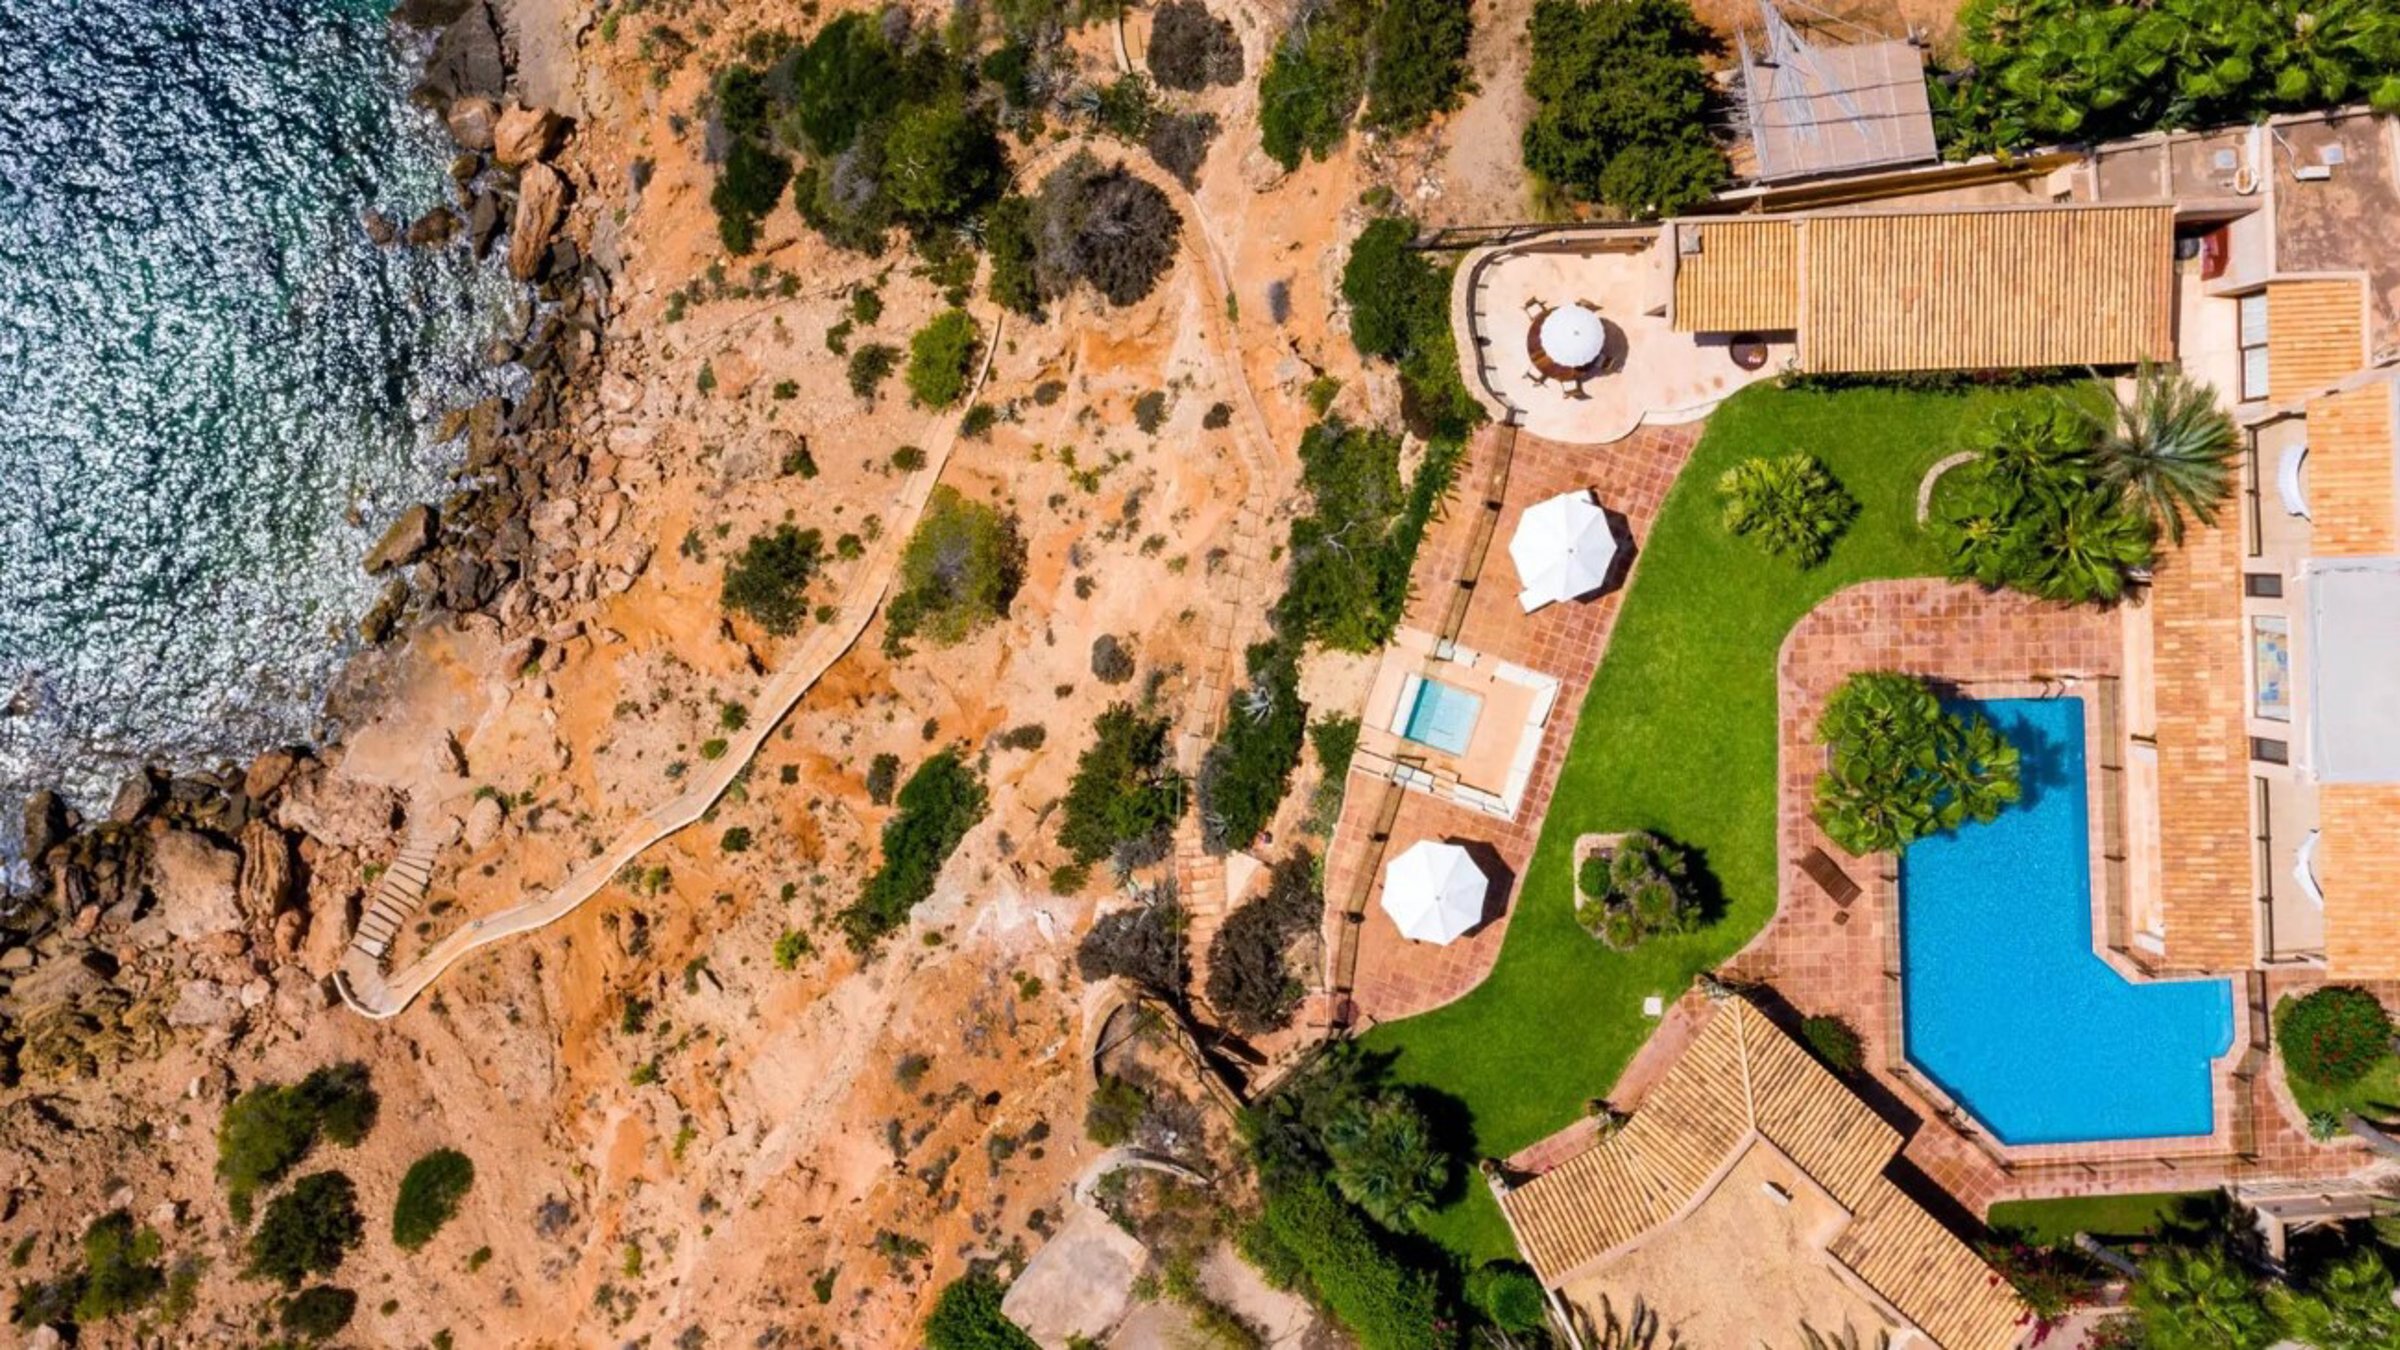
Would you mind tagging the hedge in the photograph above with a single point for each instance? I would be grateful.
(1386, 1305)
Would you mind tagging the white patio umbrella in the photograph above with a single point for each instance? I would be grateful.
(1562, 548)
(1572, 336)
(1434, 892)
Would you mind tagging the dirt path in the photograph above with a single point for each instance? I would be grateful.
(374, 993)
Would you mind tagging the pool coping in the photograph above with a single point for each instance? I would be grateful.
(2103, 789)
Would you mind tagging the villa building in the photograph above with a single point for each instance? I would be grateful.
(1751, 1193)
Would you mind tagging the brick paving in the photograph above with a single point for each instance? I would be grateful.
(1395, 977)
(1821, 958)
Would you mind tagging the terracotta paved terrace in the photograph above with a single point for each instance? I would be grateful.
(1824, 958)
(1394, 976)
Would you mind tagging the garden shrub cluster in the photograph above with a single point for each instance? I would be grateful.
(958, 572)
(2033, 72)
(768, 580)
(267, 1130)
(1309, 1236)
(2333, 1036)
(2033, 511)
(967, 1316)
(1900, 766)
(429, 1196)
(939, 803)
(1245, 774)
(121, 1268)
(1641, 889)
(941, 358)
(307, 1230)
(1124, 798)
(1405, 59)
(1399, 303)
(1092, 224)
(1250, 982)
(1191, 49)
(1835, 1042)
(1792, 506)
(1352, 551)
(1508, 1296)
(1621, 104)
(1114, 1110)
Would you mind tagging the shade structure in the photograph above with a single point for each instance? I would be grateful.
(1563, 549)
(1434, 892)
(1572, 336)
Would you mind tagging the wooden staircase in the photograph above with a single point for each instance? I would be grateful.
(399, 891)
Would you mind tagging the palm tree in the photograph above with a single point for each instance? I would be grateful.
(1384, 1161)
(2093, 541)
(2196, 1298)
(2171, 448)
(2348, 1306)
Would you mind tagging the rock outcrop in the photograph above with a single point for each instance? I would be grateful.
(193, 880)
(406, 541)
(541, 205)
(466, 61)
(524, 136)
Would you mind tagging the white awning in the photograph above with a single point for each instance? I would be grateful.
(2353, 652)
(1563, 549)
(1434, 892)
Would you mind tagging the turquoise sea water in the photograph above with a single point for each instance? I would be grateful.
(213, 388)
(2005, 1003)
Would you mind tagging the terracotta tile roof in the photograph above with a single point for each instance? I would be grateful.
(1742, 278)
(2316, 334)
(2358, 855)
(1744, 1081)
(2205, 883)
(2350, 491)
(1968, 290)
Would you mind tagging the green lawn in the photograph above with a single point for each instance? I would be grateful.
(1678, 735)
(2045, 1223)
(2376, 1096)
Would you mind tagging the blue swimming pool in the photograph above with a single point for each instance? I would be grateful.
(2007, 1007)
(1440, 715)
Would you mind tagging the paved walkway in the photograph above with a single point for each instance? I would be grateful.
(1394, 977)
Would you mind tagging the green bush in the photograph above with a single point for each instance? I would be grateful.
(1900, 766)
(1791, 506)
(1834, 1041)
(121, 1270)
(883, 775)
(1313, 82)
(429, 1196)
(967, 1316)
(1508, 1295)
(1646, 889)
(307, 1229)
(1352, 553)
(1245, 774)
(1382, 1302)
(270, 1128)
(1114, 1111)
(941, 162)
(2333, 1036)
(940, 802)
(870, 366)
(1008, 235)
(1250, 982)
(768, 580)
(1400, 311)
(958, 572)
(842, 81)
(1417, 64)
(1621, 104)
(1124, 797)
(318, 1314)
(2041, 71)
(1385, 1161)
(941, 358)
(749, 183)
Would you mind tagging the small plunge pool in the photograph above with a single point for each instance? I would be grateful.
(1440, 715)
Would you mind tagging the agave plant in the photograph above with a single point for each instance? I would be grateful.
(2171, 448)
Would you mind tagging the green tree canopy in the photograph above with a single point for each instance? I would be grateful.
(1621, 104)
(1124, 797)
(1901, 766)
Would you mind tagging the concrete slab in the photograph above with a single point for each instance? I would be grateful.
(1079, 1284)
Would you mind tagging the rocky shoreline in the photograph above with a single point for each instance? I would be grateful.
(199, 901)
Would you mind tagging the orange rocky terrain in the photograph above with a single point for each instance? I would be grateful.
(671, 1130)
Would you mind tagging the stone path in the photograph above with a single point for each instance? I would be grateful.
(370, 990)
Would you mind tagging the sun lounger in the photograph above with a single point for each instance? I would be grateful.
(1818, 866)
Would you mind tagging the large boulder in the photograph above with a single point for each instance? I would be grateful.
(524, 136)
(267, 878)
(541, 205)
(473, 123)
(337, 812)
(196, 885)
(405, 542)
(466, 61)
(45, 823)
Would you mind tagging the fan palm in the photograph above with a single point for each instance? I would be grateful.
(2198, 1299)
(2346, 1307)
(2171, 448)
(2090, 545)
(1385, 1162)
